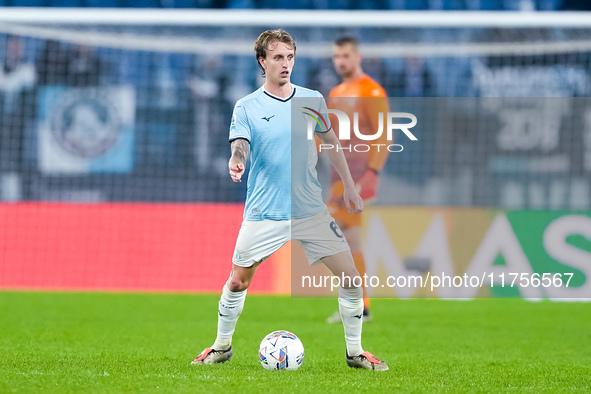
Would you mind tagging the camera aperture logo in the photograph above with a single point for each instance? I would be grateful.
(315, 117)
(318, 122)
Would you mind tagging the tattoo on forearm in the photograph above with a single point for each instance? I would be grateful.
(240, 149)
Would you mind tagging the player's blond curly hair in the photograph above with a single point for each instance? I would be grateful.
(267, 37)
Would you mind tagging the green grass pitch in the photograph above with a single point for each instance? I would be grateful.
(103, 342)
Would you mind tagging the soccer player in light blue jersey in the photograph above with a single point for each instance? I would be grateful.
(284, 199)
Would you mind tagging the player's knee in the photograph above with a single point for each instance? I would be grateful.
(238, 284)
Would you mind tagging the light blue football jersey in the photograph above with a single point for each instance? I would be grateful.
(277, 190)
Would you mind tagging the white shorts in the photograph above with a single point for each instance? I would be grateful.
(318, 235)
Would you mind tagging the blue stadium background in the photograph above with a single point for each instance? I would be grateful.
(541, 5)
(184, 102)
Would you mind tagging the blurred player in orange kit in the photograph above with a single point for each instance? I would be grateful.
(354, 95)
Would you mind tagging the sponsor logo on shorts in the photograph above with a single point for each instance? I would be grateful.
(336, 230)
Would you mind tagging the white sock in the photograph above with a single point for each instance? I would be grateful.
(351, 310)
(230, 307)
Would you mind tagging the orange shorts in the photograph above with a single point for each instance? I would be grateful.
(343, 217)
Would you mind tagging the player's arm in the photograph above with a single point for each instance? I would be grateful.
(378, 157)
(352, 200)
(368, 183)
(240, 142)
(333, 121)
(237, 163)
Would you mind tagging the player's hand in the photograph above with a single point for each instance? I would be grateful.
(367, 186)
(236, 171)
(353, 200)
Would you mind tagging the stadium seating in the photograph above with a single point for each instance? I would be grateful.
(438, 5)
(102, 3)
(141, 3)
(67, 3)
(30, 3)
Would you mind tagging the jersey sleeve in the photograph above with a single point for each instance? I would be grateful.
(239, 128)
(324, 124)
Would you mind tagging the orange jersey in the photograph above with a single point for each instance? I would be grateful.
(344, 98)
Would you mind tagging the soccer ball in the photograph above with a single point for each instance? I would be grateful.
(281, 350)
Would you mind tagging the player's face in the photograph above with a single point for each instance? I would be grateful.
(346, 59)
(279, 62)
